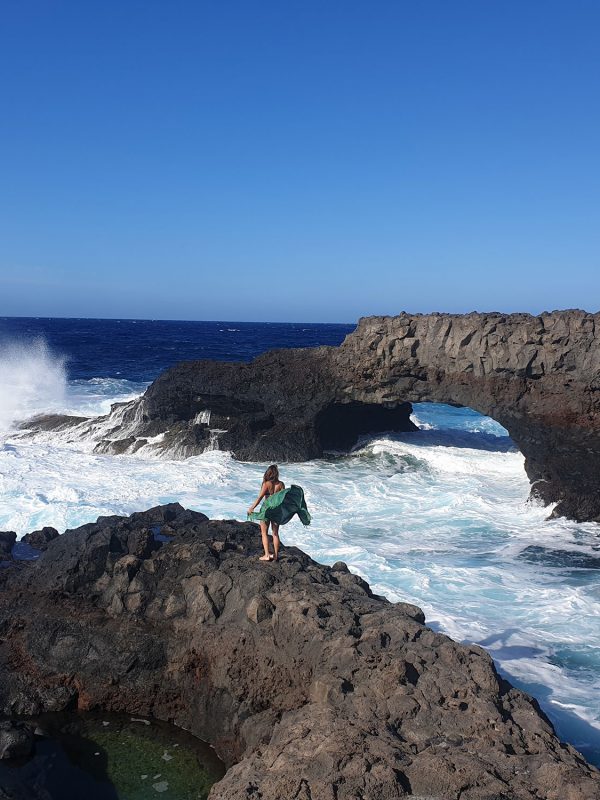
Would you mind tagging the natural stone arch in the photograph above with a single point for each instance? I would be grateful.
(539, 377)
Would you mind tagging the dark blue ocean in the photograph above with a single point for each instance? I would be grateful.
(139, 350)
(438, 517)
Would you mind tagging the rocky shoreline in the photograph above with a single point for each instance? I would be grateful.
(539, 377)
(307, 684)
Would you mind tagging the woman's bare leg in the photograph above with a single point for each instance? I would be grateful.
(264, 527)
(276, 542)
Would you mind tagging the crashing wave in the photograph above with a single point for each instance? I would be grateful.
(32, 379)
(126, 429)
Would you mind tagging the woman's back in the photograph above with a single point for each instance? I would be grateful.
(273, 487)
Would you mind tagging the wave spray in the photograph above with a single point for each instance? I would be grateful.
(32, 380)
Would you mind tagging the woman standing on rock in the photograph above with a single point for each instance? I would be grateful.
(279, 506)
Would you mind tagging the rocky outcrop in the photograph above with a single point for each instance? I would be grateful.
(7, 542)
(538, 376)
(307, 684)
(40, 539)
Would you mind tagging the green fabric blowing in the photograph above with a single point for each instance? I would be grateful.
(281, 507)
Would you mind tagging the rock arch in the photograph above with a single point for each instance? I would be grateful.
(539, 377)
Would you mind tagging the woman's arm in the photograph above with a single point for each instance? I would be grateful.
(263, 492)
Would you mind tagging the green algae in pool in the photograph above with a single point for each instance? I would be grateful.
(113, 757)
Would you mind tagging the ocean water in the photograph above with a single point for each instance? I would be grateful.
(437, 517)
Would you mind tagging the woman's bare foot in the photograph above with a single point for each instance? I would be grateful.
(265, 558)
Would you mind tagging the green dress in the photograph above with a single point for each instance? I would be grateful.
(281, 507)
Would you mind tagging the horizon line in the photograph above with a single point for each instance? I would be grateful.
(300, 322)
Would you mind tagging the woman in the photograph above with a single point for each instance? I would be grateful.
(279, 506)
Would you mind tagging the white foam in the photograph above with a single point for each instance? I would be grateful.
(94, 397)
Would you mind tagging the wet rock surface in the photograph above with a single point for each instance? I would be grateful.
(538, 376)
(16, 739)
(307, 684)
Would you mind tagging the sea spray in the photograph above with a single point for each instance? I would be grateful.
(32, 380)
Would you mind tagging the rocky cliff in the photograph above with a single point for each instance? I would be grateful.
(538, 376)
(308, 685)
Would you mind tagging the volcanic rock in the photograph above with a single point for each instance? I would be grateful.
(539, 376)
(7, 541)
(16, 739)
(39, 539)
(307, 684)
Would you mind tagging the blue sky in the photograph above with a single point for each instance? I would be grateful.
(301, 161)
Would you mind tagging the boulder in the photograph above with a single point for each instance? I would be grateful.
(40, 539)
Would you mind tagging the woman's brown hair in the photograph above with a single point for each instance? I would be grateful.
(272, 473)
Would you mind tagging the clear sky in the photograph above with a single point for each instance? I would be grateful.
(312, 160)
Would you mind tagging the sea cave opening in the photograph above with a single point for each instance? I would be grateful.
(450, 425)
(341, 425)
